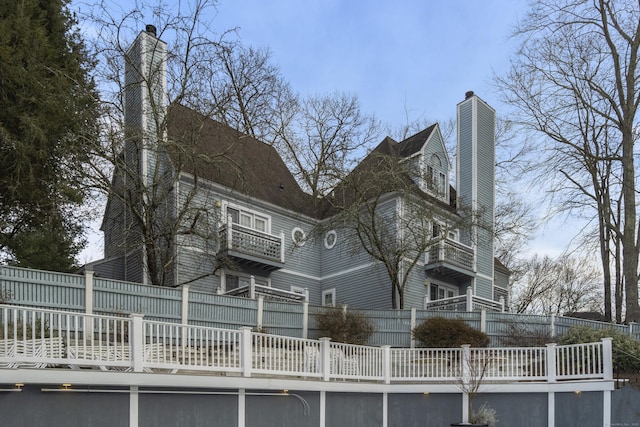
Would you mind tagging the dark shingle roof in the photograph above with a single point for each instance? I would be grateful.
(234, 160)
(255, 169)
(414, 143)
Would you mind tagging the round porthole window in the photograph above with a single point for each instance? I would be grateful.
(298, 236)
(330, 239)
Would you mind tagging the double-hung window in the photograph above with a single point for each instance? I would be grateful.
(248, 219)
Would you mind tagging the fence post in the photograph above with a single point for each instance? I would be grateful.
(502, 304)
(281, 246)
(413, 325)
(245, 350)
(88, 291)
(465, 378)
(260, 313)
(386, 363)
(552, 325)
(305, 317)
(88, 304)
(551, 362)
(185, 305)
(325, 364)
(252, 287)
(229, 232)
(631, 329)
(136, 341)
(607, 359)
(483, 320)
(469, 299)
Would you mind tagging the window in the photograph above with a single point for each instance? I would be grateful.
(298, 236)
(438, 291)
(330, 239)
(248, 219)
(436, 230)
(329, 297)
(436, 180)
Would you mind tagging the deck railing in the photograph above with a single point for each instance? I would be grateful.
(40, 338)
(252, 242)
(467, 302)
(452, 252)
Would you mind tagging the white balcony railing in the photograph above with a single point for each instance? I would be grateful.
(452, 252)
(245, 240)
(45, 338)
(466, 302)
(253, 290)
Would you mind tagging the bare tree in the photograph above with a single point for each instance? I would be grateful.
(141, 168)
(249, 93)
(575, 80)
(556, 286)
(390, 218)
(219, 78)
(323, 139)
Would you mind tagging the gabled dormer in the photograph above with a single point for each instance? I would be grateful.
(429, 160)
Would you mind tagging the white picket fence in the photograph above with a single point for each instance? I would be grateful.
(38, 338)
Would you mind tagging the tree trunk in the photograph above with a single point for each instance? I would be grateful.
(629, 245)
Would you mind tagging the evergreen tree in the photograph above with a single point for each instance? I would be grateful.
(48, 112)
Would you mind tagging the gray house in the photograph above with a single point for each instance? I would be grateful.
(197, 203)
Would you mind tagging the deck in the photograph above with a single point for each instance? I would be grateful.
(44, 339)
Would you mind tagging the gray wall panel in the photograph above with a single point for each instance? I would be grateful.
(187, 410)
(34, 408)
(584, 409)
(283, 411)
(433, 410)
(354, 410)
(518, 409)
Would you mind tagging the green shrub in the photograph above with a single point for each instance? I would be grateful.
(626, 350)
(351, 327)
(439, 332)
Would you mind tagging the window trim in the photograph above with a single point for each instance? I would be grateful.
(326, 239)
(329, 292)
(302, 241)
(247, 211)
(444, 287)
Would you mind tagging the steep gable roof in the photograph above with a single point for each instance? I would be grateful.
(369, 174)
(414, 143)
(234, 160)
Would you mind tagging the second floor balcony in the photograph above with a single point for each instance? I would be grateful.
(250, 247)
(451, 259)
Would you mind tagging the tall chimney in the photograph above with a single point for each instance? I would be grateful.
(475, 183)
(151, 29)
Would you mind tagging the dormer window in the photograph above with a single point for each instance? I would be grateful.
(435, 178)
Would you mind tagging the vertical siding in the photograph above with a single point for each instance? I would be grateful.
(37, 288)
(465, 170)
(156, 303)
(476, 160)
(485, 194)
(52, 290)
(220, 311)
(283, 318)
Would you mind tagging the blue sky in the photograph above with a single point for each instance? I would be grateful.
(405, 60)
(407, 56)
